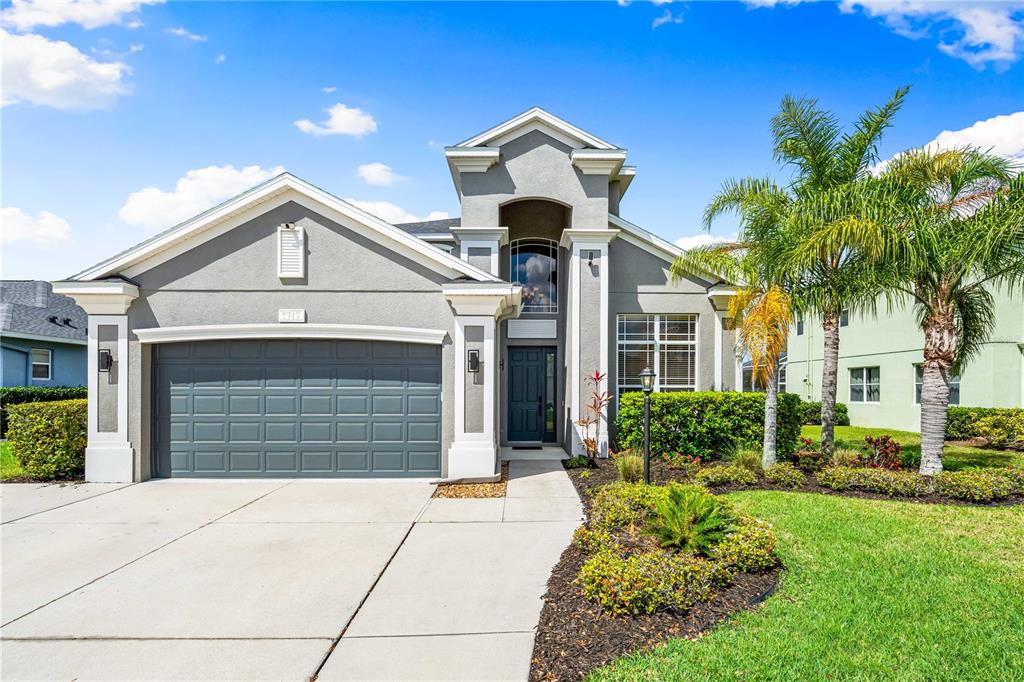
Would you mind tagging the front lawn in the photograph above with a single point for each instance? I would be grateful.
(9, 465)
(955, 456)
(874, 590)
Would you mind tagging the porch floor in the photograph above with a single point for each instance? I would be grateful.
(547, 452)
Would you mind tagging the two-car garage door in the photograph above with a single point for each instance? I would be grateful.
(251, 408)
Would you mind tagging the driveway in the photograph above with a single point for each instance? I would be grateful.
(282, 579)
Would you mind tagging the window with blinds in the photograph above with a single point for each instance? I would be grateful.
(665, 343)
(291, 251)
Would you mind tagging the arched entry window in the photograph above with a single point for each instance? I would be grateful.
(534, 265)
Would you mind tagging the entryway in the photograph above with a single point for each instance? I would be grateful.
(532, 375)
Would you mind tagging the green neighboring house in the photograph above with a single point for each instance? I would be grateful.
(879, 365)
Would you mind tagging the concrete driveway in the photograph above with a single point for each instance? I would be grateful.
(280, 579)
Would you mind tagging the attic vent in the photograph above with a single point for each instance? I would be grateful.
(52, 319)
(291, 251)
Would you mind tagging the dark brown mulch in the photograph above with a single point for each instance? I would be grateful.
(661, 473)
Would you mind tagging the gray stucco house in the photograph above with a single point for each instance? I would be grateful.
(42, 336)
(286, 332)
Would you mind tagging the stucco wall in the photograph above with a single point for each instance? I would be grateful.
(67, 363)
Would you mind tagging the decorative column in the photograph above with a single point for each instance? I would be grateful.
(109, 456)
(481, 246)
(478, 307)
(720, 295)
(587, 323)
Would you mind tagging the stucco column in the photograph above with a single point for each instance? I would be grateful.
(481, 246)
(587, 324)
(478, 309)
(109, 456)
(720, 295)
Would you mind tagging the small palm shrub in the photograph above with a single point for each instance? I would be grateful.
(750, 549)
(690, 519)
(846, 457)
(748, 458)
(724, 475)
(785, 475)
(630, 466)
(578, 462)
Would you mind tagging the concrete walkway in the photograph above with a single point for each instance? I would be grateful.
(257, 579)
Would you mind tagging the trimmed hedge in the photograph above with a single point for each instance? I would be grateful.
(16, 395)
(705, 424)
(812, 414)
(49, 438)
(962, 422)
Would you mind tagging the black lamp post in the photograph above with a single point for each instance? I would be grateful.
(647, 382)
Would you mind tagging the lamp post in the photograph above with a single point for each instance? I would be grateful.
(647, 382)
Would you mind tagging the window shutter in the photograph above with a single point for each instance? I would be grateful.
(291, 251)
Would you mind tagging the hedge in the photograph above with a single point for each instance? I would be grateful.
(961, 423)
(705, 424)
(16, 395)
(49, 438)
(812, 414)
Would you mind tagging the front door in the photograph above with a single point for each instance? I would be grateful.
(531, 393)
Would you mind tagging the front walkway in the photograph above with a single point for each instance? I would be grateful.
(257, 579)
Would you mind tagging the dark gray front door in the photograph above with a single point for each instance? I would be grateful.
(257, 408)
(531, 392)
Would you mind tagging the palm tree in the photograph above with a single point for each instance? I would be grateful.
(940, 228)
(762, 308)
(827, 160)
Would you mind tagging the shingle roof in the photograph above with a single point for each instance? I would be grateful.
(27, 306)
(430, 226)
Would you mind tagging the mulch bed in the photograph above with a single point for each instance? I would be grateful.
(475, 490)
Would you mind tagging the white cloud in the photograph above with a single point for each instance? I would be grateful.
(392, 213)
(54, 73)
(194, 192)
(667, 18)
(379, 174)
(220, 59)
(44, 229)
(134, 24)
(183, 32)
(341, 120)
(1001, 135)
(702, 239)
(329, 89)
(25, 15)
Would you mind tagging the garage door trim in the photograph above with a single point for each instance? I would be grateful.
(352, 332)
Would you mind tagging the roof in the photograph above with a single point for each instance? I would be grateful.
(30, 309)
(534, 117)
(428, 227)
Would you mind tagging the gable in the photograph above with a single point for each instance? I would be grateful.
(532, 120)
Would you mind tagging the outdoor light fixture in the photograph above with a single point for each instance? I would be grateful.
(105, 360)
(473, 361)
(647, 382)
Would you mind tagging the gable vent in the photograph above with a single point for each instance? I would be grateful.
(291, 251)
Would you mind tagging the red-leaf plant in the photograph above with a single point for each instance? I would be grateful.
(885, 452)
(593, 413)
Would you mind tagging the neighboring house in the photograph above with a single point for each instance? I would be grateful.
(286, 332)
(42, 335)
(880, 365)
(748, 375)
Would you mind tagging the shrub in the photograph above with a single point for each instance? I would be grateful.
(846, 457)
(748, 458)
(630, 466)
(688, 464)
(808, 457)
(592, 540)
(961, 422)
(704, 423)
(751, 548)
(1001, 430)
(976, 485)
(623, 504)
(724, 475)
(578, 462)
(812, 414)
(785, 475)
(885, 452)
(884, 481)
(17, 395)
(690, 519)
(49, 438)
(837, 478)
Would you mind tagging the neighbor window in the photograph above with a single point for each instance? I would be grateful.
(799, 326)
(534, 265)
(782, 378)
(844, 318)
(41, 360)
(954, 386)
(665, 343)
(865, 385)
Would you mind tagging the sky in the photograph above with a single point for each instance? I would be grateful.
(121, 119)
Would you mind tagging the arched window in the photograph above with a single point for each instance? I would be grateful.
(534, 265)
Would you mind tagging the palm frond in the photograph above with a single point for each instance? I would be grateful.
(763, 322)
(806, 136)
(859, 149)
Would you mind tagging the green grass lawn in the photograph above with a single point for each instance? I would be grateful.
(9, 465)
(955, 457)
(875, 590)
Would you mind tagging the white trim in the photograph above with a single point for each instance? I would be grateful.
(474, 454)
(296, 269)
(602, 431)
(574, 284)
(108, 454)
(510, 129)
(285, 187)
(103, 297)
(738, 377)
(290, 331)
(470, 160)
(719, 331)
(40, 337)
(597, 161)
(32, 365)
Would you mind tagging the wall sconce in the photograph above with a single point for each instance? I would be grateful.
(105, 360)
(473, 361)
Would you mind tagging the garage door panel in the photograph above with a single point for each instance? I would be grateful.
(283, 408)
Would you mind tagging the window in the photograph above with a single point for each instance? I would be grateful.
(844, 318)
(954, 386)
(799, 326)
(782, 377)
(41, 360)
(865, 385)
(665, 343)
(534, 265)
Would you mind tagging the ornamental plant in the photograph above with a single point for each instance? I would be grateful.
(593, 413)
(885, 452)
(690, 519)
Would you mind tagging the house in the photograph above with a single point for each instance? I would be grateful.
(286, 332)
(880, 365)
(42, 335)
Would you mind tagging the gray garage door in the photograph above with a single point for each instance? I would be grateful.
(297, 408)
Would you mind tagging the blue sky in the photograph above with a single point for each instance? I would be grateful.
(121, 119)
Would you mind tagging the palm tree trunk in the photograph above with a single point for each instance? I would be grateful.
(940, 348)
(829, 378)
(771, 411)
